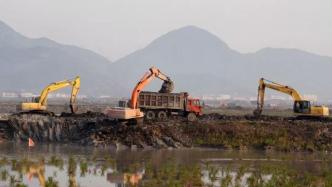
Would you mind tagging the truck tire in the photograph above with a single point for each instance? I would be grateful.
(162, 115)
(191, 117)
(150, 115)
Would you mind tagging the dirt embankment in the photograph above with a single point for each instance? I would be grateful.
(268, 133)
(96, 129)
(213, 130)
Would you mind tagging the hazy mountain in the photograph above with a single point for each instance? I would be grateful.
(30, 64)
(199, 62)
(192, 57)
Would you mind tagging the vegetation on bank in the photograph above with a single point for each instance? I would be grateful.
(266, 135)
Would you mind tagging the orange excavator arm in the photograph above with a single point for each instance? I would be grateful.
(133, 112)
(146, 79)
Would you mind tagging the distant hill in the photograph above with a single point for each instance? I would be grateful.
(30, 64)
(198, 62)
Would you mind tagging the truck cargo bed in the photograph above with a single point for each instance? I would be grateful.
(155, 100)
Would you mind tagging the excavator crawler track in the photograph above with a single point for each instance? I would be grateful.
(36, 112)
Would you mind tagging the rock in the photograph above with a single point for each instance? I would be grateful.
(159, 143)
(169, 141)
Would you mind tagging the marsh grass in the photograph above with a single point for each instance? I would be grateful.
(51, 182)
(56, 162)
(172, 174)
(83, 168)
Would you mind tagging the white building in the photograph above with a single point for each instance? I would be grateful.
(9, 94)
(311, 97)
(27, 95)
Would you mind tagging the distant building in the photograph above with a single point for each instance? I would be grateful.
(27, 95)
(82, 96)
(279, 97)
(311, 97)
(9, 94)
(223, 97)
(240, 99)
(253, 99)
(104, 97)
(216, 97)
(208, 97)
(58, 95)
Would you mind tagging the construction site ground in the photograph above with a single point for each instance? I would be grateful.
(218, 128)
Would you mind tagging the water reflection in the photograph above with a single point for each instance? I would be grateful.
(66, 165)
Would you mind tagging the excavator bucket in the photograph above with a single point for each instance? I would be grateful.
(257, 112)
(167, 87)
(73, 108)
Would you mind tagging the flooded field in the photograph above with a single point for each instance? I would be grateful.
(71, 165)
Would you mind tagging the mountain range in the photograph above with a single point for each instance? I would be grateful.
(195, 59)
(31, 64)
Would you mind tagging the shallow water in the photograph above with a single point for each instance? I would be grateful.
(72, 165)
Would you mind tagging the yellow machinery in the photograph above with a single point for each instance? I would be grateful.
(35, 170)
(133, 112)
(125, 179)
(40, 103)
(301, 106)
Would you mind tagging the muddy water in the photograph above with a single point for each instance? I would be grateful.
(70, 165)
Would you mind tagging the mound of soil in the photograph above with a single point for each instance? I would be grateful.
(214, 130)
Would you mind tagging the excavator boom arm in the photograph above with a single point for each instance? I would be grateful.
(263, 83)
(73, 97)
(51, 88)
(284, 89)
(146, 79)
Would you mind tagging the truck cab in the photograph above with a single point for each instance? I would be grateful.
(194, 106)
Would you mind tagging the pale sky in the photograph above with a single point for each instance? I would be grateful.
(115, 28)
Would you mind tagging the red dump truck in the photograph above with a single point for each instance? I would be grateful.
(161, 105)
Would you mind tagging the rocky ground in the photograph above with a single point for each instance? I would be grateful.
(213, 130)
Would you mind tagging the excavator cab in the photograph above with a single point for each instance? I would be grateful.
(302, 107)
(35, 99)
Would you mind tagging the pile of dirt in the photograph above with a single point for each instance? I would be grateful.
(278, 134)
(95, 129)
(6, 132)
(214, 130)
(217, 116)
(147, 135)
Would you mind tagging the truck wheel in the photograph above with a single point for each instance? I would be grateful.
(162, 115)
(150, 115)
(191, 117)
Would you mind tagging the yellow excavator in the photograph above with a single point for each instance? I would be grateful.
(133, 112)
(301, 106)
(35, 170)
(40, 103)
